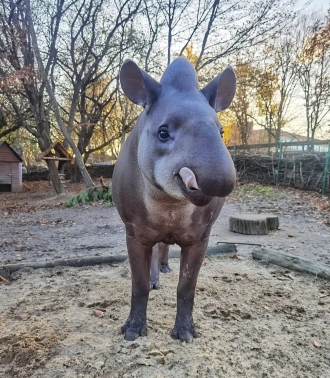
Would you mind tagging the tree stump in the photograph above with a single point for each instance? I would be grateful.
(253, 224)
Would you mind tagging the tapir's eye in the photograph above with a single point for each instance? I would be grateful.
(163, 134)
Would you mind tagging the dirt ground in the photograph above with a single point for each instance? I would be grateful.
(254, 319)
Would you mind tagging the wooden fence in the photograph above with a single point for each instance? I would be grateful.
(278, 163)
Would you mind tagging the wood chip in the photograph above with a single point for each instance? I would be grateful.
(156, 352)
(99, 313)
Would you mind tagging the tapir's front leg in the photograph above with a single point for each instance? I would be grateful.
(191, 260)
(139, 257)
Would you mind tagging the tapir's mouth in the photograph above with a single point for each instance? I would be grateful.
(190, 189)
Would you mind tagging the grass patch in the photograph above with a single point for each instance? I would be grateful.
(97, 194)
(257, 192)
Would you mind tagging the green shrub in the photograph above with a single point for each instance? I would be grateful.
(97, 194)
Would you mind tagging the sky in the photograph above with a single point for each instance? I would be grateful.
(325, 4)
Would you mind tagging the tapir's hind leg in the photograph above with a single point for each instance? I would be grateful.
(154, 270)
(163, 257)
(140, 259)
(159, 262)
(191, 260)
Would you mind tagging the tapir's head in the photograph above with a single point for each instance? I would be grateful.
(180, 147)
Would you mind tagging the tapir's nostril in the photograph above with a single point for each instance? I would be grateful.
(189, 178)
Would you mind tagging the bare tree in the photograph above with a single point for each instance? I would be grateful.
(276, 81)
(52, 98)
(283, 53)
(173, 11)
(82, 45)
(23, 87)
(314, 71)
(89, 58)
(234, 26)
(244, 100)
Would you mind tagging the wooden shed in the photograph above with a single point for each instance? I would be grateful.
(10, 169)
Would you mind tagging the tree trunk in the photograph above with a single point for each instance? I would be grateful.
(58, 186)
(44, 144)
(123, 136)
(75, 173)
(311, 146)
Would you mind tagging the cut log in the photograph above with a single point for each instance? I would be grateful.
(227, 250)
(292, 262)
(253, 224)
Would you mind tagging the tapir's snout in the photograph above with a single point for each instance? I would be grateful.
(218, 179)
(211, 171)
(214, 179)
(218, 186)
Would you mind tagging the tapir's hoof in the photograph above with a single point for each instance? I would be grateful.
(164, 268)
(186, 334)
(133, 332)
(154, 285)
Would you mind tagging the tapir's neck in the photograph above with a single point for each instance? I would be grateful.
(153, 193)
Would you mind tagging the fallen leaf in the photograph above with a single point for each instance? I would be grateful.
(99, 313)
(289, 289)
(165, 352)
(237, 257)
(142, 361)
(3, 280)
(317, 343)
(210, 310)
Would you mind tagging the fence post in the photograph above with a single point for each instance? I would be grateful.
(324, 183)
(235, 150)
(279, 162)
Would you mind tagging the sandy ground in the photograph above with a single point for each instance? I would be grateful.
(254, 319)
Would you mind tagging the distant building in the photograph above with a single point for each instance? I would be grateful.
(10, 169)
(260, 136)
(292, 137)
(102, 157)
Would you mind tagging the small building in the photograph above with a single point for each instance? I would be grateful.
(10, 169)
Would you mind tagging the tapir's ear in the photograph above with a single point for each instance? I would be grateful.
(221, 90)
(137, 85)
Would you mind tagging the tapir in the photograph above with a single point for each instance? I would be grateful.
(170, 181)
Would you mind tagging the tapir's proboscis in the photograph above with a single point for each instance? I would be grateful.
(170, 182)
